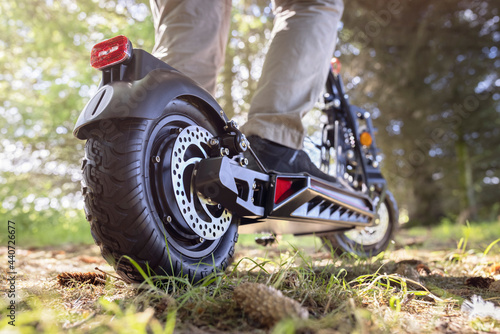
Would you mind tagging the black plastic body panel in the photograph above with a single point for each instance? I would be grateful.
(143, 88)
(136, 68)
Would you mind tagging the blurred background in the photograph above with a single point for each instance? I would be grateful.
(428, 71)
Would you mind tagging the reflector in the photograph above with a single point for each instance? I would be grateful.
(282, 190)
(365, 139)
(336, 66)
(111, 52)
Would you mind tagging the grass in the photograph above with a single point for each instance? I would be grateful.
(75, 229)
(342, 294)
(447, 234)
(56, 229)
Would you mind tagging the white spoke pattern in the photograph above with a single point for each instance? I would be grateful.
(373, 234)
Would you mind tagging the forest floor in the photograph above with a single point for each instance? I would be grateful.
(407, 289)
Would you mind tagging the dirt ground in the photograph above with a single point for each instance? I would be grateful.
(438, 283)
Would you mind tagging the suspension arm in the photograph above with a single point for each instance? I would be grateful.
(241, 190)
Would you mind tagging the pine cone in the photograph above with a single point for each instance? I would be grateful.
(479, 282)
(72, 279)
(408, 271)
(266, 305)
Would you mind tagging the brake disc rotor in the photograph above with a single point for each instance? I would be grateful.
(207, 219)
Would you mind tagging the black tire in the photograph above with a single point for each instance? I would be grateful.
(128, 204)
(342, 242)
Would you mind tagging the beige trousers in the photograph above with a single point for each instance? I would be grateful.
(191, 36)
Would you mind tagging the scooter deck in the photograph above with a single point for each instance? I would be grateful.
(282, 203)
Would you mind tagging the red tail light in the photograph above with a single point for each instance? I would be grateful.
(111, 52)
(336, 66)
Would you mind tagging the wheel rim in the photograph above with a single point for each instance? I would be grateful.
(162, 191)
(372, 235)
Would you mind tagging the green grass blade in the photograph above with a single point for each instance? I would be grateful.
(140, 270)
(490, 246)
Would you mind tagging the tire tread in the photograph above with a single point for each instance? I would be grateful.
(116, 206)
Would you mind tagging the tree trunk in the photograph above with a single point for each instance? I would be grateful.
(466, 183)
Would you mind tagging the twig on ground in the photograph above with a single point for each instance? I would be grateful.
(105, 273)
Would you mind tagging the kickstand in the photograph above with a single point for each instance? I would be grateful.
(266, 240)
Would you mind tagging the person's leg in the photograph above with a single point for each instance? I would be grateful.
(191, 36)
(295, 69)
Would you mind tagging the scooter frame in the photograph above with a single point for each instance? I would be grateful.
(264, 200)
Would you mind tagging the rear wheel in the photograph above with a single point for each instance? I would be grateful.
(140, 199)
(372, 240)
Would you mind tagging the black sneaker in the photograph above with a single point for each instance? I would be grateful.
(284, 159)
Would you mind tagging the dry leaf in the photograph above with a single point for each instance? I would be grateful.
(89, 259)
(495, 269)
(423, 269)
(59, 252)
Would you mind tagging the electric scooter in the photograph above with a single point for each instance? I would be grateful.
(167, 180)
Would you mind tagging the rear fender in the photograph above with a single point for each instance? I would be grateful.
(146, 98)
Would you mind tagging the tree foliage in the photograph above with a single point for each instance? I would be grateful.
(431, 68)
(45, 82)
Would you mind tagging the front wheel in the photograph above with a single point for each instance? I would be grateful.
(141, 202)
(369, 241)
